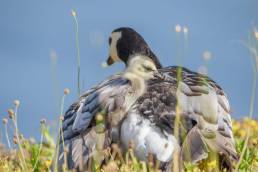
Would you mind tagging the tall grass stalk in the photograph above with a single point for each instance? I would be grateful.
(61, 120)
(55, 80)
(253, 50)
(179, 58)
(185, 45)
(178, 111)
(144, 167)
(40, 145)
(7, 135)
(60, 131)
(14, 119)
(78, 52)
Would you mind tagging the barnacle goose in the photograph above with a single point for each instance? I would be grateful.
(114, 96)
(148, 120)
(203, 107)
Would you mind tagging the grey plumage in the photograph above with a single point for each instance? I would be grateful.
(157, 105)
(148, 119)
(78, 125)
(205, 132)
(114, 96)
(203, 106)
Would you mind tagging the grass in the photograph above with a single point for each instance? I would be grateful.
(28, 155)
(78, 52)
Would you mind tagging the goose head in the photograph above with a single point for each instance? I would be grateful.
(126, 44)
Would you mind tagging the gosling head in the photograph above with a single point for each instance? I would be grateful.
(126, 44)
(141, 67)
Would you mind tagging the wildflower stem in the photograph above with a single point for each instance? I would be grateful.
(62, 137)
(178, 111)
(60, 132)
(144, 167)
(252, 100)
(78, 51)
(178, 49)
(40, 147)
(57, 150)
(18, 137)
(7, 136)
(253, 94)
(250, 116)
(185, 45)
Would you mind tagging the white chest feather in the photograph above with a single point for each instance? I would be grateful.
(146, 138)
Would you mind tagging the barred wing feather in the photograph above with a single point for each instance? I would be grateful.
(79, 122)
(206, 103)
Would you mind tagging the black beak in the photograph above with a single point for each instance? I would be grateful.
(158, 75)
(110, 61)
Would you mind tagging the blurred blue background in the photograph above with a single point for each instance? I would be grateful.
(38, 50)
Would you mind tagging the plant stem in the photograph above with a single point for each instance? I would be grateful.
(60, 131)
(78, 52)
(250, 116)
(18, 137)
(252, 100)
(40, 147)
(7, 136)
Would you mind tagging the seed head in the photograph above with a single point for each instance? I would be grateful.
(66, 150)
(207, 55)
(10, 113)
(178, 28)
(17, 103)
(185, 30)
(66, 91)
(5, 120)
(104, 64)
(32, 141)
(99, 118)
(15, 140)
(256, 34)
(43, 121)
(61, 118)
(73, 13)
(15, 135)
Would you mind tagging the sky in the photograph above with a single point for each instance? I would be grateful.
(38, 48)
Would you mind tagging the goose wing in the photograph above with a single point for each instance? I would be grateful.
(158, 105)
(203, 107)
(206, 103)
(79, 123)
(107, 96)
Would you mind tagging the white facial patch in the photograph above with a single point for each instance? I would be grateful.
(112, 49)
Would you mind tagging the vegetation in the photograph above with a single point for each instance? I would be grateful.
(27, 155)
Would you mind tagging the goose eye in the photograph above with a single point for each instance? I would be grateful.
(148, 68)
